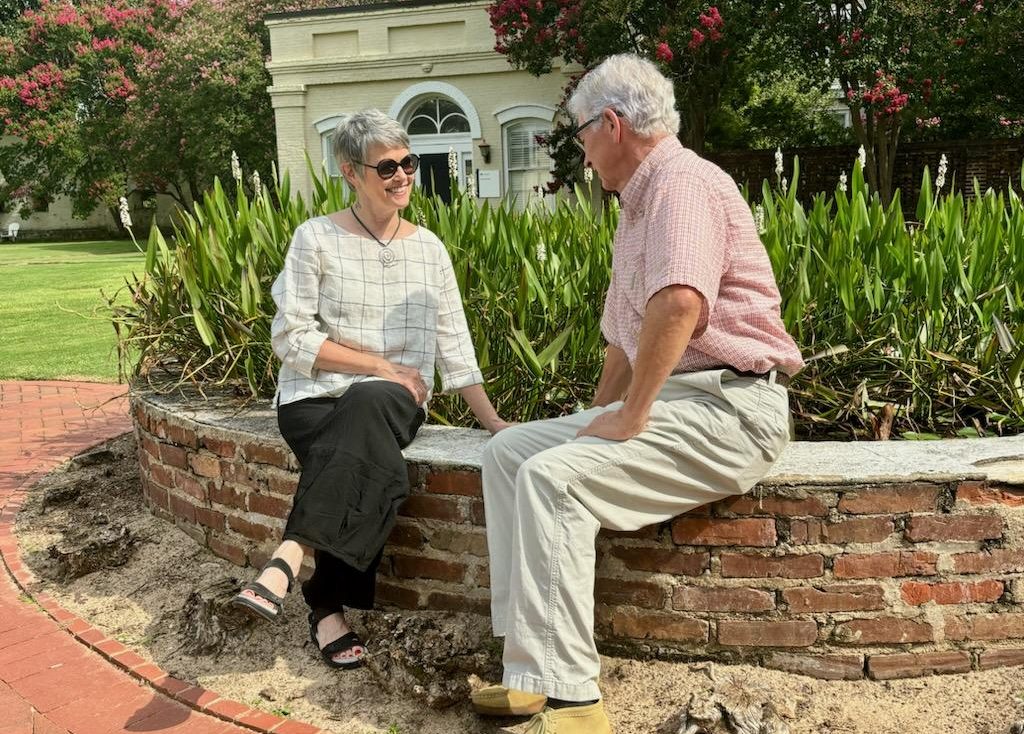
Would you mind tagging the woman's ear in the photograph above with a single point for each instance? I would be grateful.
(348, 172)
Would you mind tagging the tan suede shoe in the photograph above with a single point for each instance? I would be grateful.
(573, 720)
(501, 701)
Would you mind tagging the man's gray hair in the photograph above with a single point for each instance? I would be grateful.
(634, 88)
(355, 134)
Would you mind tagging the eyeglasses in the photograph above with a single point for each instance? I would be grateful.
(386, 168)
(580, 128)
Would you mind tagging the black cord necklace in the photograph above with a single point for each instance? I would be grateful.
(386, 254)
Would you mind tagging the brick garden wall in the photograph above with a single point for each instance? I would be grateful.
(840, 581)
(994, 163)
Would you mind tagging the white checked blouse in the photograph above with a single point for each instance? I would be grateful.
(335, 286)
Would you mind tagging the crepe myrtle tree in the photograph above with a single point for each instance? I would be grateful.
(698, 45)
(98, 94)
(892, 59)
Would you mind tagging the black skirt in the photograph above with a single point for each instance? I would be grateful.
(353, 474)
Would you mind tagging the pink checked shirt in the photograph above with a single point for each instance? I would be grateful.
(684, 222)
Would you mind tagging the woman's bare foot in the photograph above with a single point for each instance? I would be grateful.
(334, 627)
(274, 579)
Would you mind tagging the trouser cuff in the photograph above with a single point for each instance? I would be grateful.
(552, 689)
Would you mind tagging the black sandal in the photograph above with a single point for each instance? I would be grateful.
(264, 593)
(348, 641)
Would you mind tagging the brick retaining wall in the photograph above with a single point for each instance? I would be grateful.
(840, 581)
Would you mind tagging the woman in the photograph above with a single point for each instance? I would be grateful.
(367, 306)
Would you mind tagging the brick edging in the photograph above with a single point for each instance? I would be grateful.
(145, 671)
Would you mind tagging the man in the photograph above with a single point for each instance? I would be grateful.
(691, 406)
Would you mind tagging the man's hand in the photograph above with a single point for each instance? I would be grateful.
(408, 377)
(615, 426)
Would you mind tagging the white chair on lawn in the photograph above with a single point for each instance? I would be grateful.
(12, 232)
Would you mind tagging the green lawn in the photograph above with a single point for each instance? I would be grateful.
(51, 326)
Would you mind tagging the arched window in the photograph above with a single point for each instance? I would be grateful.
(437, 116)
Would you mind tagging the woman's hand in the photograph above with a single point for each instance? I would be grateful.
(408, 377)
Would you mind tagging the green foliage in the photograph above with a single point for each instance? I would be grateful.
(914, 326)
(104, 97)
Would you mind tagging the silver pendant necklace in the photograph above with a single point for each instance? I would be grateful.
(386, 255)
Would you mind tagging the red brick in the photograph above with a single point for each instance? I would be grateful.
(406, 536)
(161, 475)
(158, 496)
(260, 453)
(823, 667)
(482, 577)
(260, 720)
(227, 709)
(891, 500)
(662, 560)
(705, 599)
(951, 592)
(432, 508)
(886, 667)
(296, 727)
(205, 465)
(477, 516)
(1000, 659)
(221, 447)
(251, 530)
(269, 506)
(995, 561)
(658, 626)
(397, 596)
(954, 527)
(281, 481)
(227, 550)
(838, 598)
(742, 532)
(794, 633)
(883, 631)
(181, 435)
(211, 519)
(741, 565)
(191, 486)
(150, 445)
(459, 542)
(416, 567)
(451, 481)
(860, 530)
(634, 593)
(182, 508)
(979, 493)
(228, 496)
(242, 474)
(445, 602)
(173, 456)
(773, 506)
(884, 565)
(986, 627)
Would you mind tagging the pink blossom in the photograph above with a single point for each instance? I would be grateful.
(663, 52)
(696, 39)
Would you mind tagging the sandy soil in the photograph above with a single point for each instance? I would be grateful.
(274, 667)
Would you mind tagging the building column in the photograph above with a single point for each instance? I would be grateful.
(289, 104)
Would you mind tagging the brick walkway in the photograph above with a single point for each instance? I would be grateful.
(58, 675)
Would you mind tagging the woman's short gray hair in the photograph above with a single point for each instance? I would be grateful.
(634, 88)
(355, 134)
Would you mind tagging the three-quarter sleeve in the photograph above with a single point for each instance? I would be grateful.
(295, 333)
(456, 359)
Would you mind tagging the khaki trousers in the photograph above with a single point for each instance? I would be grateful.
(547, 493)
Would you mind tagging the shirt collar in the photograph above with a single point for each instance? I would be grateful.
(634, 194)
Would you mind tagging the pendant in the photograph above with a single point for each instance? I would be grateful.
(386, 256)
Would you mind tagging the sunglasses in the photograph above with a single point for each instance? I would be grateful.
(387, 168)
